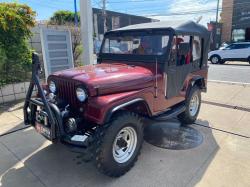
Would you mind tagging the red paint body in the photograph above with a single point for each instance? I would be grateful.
(111, 84)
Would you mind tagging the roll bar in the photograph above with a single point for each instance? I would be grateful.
(36, 68)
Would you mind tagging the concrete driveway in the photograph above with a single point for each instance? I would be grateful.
(222, 158)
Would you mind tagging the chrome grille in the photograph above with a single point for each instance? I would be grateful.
(66, 91)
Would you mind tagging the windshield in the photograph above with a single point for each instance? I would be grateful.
(136, 43)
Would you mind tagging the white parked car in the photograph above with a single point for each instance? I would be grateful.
(224, 45)
(233, 52)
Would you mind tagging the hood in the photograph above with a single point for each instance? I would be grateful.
(104, 79)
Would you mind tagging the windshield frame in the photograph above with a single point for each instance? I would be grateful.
(137, 57)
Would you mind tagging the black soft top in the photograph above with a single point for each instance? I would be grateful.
(175, 28)
(178, 27)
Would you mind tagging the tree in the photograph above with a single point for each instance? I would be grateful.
(62, 17)
(15, 54)
(67, 18)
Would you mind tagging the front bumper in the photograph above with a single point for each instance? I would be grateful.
(77, 141)
(54, 121)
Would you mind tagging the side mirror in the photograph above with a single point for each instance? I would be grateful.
(184, 48)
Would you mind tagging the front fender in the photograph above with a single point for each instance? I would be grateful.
(99, 109)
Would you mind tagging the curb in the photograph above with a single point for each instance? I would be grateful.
(245, 84)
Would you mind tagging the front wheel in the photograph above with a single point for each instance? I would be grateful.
(120, 144)
(193, 103)
(215, 59)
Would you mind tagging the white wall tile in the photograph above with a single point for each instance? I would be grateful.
(8, 98)
(7, 90)
(19, 88)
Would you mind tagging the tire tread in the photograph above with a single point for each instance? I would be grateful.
(99, 151)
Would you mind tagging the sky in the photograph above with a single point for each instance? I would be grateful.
(157, 9)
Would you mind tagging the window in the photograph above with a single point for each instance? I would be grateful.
(244, 46)
(196, 50)
(232, 46)
(182, 58)
(137, 45)
(115, 22)
(238, 46)
(238, 35)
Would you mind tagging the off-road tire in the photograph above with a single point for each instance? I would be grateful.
(185, 117)
(104, 159)
(215, 56)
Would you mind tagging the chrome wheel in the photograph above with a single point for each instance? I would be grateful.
(124, 144)
(194, 104)
(215, 60)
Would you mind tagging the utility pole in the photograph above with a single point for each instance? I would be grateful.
(217, 11)
(76, 16)
(216, 35)
(104, 14)
(87, 31)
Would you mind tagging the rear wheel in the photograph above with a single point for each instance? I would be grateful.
(119, 144)
(215, 59)
(193, 102)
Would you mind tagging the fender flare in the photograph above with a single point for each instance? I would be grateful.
(199, 81)
(118, 107)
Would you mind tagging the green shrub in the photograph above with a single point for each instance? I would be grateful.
(15, 53)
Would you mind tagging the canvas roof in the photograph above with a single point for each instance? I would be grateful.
(179, 27)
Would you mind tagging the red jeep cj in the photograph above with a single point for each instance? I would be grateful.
(154, 70)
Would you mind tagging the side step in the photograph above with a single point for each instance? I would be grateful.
(173, 112)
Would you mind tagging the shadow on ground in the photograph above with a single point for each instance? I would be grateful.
(54, 165)
(14, 128)
(11, 106)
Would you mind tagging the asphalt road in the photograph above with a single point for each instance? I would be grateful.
(230, 72)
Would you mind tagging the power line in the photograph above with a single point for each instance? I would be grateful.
(141, 10)
(186, 12)
(183, 13)
(138, 1)
(55, 6)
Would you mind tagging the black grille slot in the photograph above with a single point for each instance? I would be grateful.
(66, 91)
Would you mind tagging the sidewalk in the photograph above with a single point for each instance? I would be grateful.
(229, 94)
(27, 159)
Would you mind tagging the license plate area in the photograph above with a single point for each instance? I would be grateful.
(41, 124)
(41, 129)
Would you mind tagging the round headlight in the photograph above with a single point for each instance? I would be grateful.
(81, 94)
(52, 86)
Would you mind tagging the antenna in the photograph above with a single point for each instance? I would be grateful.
(199, 19)
(156, 78)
